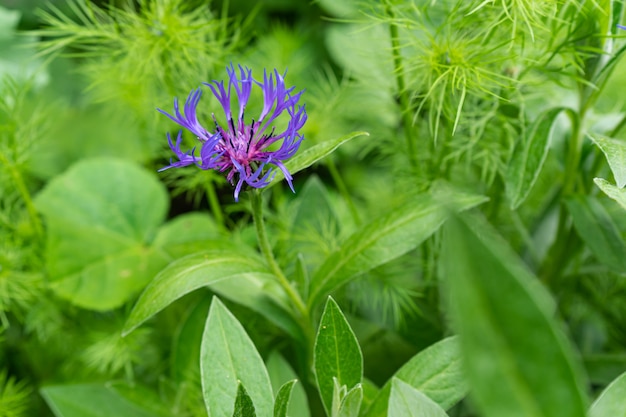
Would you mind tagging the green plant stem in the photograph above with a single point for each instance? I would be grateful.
(266, 249)
(214, 203)
(343, 190)
(402, 92)
(18, 181)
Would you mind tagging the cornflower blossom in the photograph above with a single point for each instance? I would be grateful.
(242, 150)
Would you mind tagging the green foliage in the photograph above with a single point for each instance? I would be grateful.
(370, 291)
(337, 359)
(229, 361)
(14, 396)
(489, 288)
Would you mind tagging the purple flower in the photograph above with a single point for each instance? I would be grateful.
(240, 150)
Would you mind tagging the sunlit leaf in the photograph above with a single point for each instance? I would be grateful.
(228, 360)
(90, 400)
(616, 193)
(615, 152)
(233, 271)
(610, 403)
(308, 157)
(337, 354)
(406, 401)
(101, 216)
(435, 372)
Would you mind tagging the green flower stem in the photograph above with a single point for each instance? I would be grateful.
(266, 249)
(343, 190)
(402, 92)
(18, 181)
(214, 203)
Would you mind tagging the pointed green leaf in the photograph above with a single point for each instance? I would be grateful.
(282, 399)
(406, 401)
(102, 215)
(243, 403)
(281, 373)
(596, 228)
(616, 193)
(91, 400)
(612, 401)
(517, 359)
(615, 152)
(233, 271)
(229, 359)
(529, 156)
(309, 156)
(336, 355)
(435, 371)
(387, 238)
(351, 403)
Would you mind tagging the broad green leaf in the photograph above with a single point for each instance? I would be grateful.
(243, 403)
(280, 374)
(102, 215)
(406, 401)
(612, 401)
(92, 400)
(615, 152)
(435, 371)
(233, 271)
(387, 238)
(228, 359)
(528, 158)
(313, 154)
(616, 193)
(351, 403)
(336, 354)
(603, 368)
(516, 357)
(282, 400)
(186, 234)
(596, 228)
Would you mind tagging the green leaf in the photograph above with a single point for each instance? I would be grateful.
(596, 228)
(336, 354)
(363, 50)
(280, 374)
(185, 353)
(611, 402)
(91, 400)
(616, 193)
(406, 401)
(526, 164)
(351, 403)
(228, 359)
(387, 238)
(282, 400)
(243, 403)
(516, 357)
(186, 234)
(615, 152)
(102, 215)
(313, 154)
(233, 271)
(435, 371)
